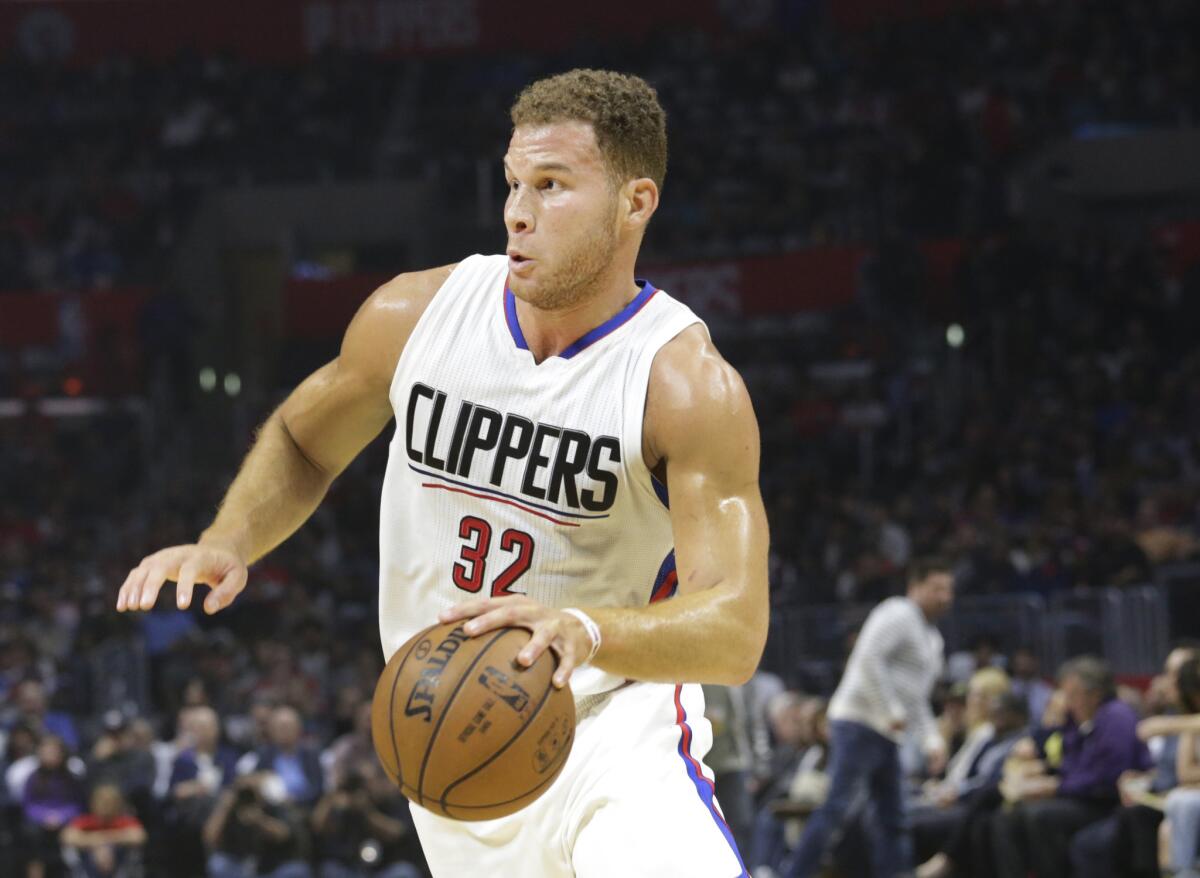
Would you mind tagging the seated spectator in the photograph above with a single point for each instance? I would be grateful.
(296, 763)
(1027, 681)
(982, 689)
(20, 758)
(33, 709)
(120, 757)
(204, 766)
(353, 751)
(107, 841)
(1126, 843)
(248, 836)
(961, 823)
(53, 797)
(731, 756)
(202, 769)
(1182, 805)
(1182, 829)
(360, 833)
(1099, 743)
(799, 791)
(952, 721)
(789, 718)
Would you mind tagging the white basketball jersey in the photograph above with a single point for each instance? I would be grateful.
(507, 476)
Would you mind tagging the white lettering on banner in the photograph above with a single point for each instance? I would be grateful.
(713, 290)
(391, 25)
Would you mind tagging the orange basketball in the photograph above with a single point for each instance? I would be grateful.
(464, 730)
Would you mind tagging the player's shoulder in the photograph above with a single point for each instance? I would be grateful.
(689, 372)
(693, 391)
(379, 331)
(406, 296)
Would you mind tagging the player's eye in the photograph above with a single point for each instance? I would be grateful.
(549, 183)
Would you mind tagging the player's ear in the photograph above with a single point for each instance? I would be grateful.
(639, 199)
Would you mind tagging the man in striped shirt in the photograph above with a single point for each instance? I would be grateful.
(884, 695)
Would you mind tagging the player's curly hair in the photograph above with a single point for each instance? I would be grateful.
(630, 124)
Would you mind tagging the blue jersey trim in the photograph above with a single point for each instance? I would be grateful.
(660, 491)
(590, 337)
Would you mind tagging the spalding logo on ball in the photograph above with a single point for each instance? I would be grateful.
(465, 731)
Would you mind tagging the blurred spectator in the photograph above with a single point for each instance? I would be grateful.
(20, 759)
(1027, 681)
(105, 842)
(363, 830)
(353, 752)
(54, 795)
(203, 767)
(250, 837)
(29, 697)
(1126, 843)
(958, 827)
(800, 791)
(984, 686)
(1099, 743)
(120, 756)
(762, 688)
(952, 721)
(295, 762)
(1182, 824)
(731, 756)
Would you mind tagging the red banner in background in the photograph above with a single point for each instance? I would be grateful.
(316, 309)
(46, 319)
(29, 320)
(819, 279)
(85, 31)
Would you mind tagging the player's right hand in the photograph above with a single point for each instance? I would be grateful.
(213, 565)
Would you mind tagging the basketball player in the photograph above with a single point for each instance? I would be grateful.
(546, 402)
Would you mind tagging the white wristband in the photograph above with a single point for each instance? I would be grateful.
(593, 631)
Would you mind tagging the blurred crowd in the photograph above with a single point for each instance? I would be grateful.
(1058, 447)
(1075, 777)
(100, 168)
(258, 761)
(826, 135)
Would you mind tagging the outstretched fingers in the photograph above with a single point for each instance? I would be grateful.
(141, 586)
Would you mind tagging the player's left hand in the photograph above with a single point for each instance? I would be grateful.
(552, 629)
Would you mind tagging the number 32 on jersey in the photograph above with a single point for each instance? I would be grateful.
(470, 571)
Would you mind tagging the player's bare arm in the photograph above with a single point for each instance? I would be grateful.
(300, 449)
(699, 427)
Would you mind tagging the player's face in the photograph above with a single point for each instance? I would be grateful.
(561, 213)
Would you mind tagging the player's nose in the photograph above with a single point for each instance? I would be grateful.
(517, 215)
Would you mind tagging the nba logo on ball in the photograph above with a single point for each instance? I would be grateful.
(465, 731)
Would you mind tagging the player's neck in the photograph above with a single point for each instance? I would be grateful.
(550, 332)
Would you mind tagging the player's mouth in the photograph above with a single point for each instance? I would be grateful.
(518, 263)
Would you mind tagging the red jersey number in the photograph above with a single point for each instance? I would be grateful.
(470, 570)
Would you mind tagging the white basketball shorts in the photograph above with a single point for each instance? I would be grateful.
(633, 801)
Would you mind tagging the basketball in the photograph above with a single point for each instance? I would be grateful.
(465, 731)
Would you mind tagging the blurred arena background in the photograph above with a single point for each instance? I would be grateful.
(953, 246)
